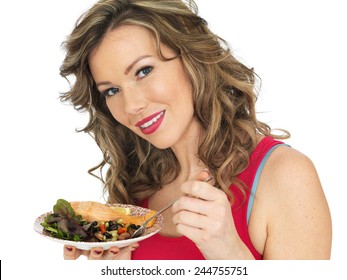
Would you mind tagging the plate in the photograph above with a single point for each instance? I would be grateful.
(83, 245)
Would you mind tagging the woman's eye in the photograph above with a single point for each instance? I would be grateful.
(143, 72)
(110, 92)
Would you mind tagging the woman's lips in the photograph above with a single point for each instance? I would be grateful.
(151, 124)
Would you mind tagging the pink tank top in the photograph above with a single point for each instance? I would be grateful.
(160, 247)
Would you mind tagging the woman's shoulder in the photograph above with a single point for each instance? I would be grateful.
(295, 205)
(284, 163)
(289, 171)
(287, 164)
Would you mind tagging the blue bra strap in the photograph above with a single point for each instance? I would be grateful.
(256, 179)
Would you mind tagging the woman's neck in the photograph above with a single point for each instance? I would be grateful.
(186, 152)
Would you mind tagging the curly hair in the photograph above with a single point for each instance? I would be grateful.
(224, 95)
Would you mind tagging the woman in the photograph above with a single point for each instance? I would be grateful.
(169, 107)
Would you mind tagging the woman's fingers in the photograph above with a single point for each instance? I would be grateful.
(191, 218)
(204, 176)
(202, 190)
(133, 246)
(111, 254)
(201, 214)
(193, 204)
(96, 254)
(71, 253)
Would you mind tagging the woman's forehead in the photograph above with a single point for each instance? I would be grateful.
(123, 42)
(130, 36)
(129, 40)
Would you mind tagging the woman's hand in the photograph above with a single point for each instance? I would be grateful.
(204, 215)
(114, 253)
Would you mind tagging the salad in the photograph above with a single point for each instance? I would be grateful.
(65, 224)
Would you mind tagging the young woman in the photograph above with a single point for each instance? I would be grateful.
(170, 106)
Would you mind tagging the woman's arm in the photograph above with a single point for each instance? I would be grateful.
(298, 217)
(292, 202)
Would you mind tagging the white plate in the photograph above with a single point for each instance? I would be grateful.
(135, 211)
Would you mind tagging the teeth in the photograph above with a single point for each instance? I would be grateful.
(152, 121)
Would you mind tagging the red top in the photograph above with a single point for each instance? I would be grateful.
(160, 247)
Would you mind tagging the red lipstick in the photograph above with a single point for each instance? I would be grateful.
(151, 123)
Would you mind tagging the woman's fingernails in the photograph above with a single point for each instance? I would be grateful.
(97, 252)
(208, 179)
(69, 248)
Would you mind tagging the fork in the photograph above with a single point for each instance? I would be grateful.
(141, 230)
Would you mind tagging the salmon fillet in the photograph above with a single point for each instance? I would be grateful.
(95, 211)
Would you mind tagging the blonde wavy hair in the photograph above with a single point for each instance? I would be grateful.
(223, 91)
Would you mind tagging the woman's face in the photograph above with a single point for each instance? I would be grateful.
(151, 97)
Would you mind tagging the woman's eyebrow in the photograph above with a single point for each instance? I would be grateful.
(104, 83)
(126, 72)
(128, 69)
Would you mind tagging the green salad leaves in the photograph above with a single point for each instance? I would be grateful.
(63, 223)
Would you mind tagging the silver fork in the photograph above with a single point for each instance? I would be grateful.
(141, 230)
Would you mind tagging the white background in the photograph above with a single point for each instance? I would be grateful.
(298, 48)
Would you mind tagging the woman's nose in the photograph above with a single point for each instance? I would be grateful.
(134, 102)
